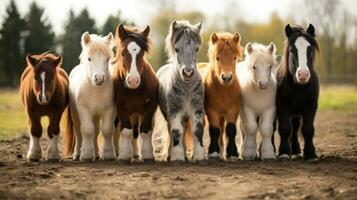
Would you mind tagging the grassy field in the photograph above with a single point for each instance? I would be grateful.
(13, 120)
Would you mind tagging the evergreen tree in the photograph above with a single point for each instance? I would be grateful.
(12, 60)
(71, 39)
(40, 37)
(112, 22)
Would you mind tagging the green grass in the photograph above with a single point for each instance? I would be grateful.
(13, 119)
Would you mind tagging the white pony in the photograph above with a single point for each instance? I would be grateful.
(91, 100)
(258, 90)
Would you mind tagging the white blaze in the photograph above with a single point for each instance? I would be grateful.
(43, 96)
(301, 45)
(133, 49)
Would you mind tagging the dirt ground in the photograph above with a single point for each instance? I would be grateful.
(333, 177)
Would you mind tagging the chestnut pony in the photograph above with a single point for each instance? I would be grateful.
(44, 92)
(222, 92)
(135, 94)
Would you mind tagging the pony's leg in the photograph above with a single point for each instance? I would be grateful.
(78, 135)
(308, 131)
(284, 132)
(116, 135)
(53, 131)
(135, 142)
(35, 152)
(250, 126)
(126, 134)
(214, 133)
(177, 152)
(147, 149)
(96, 122)
(231, 132)
(266, 131)
(295, 146)
(108, 152)
(197, 118)
(88, 133)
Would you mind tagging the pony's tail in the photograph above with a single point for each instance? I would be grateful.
(68, 138)
(161, 137)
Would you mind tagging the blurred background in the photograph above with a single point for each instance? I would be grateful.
(34, 26)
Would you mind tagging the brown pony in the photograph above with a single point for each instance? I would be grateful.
(135, 93)
(222, 91)
(44, 92)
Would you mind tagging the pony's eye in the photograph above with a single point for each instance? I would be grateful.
(270, 67)
(217, 58)
(177, 50)
(254, 68)
(89, 59)
(196, 49)
(235, 58)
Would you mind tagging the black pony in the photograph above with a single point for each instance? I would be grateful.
(298, 92)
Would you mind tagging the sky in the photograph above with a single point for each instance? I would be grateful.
(141, 11)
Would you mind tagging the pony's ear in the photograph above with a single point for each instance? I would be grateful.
(85, 38)
(173, 25)
(198, 26)
(311, 30)
(271, 48)
(248, 48)
(57, 61)
(109, 37)
(122, 33)
(236, 38)
(31, 60)
(146, 31)
(213, 38)
(288, 30)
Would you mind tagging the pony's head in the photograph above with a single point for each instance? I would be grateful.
(96, 53)
(261, 61)
(182, 44)
(300, 52)
(44, 74)
(132, 45)
(223, 52)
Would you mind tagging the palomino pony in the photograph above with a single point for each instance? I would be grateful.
(91, 101)
(136, 94)
(222, 92)
(44, 92)
(298, 92)
(258, 88)
(181, 91)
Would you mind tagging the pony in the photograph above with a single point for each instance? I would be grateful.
(222, 92)
(135, 93)
(258, 89)
(91, 101)
(44, 92)
(181, 90)
(298, 93)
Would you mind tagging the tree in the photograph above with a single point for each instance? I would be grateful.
(12, 59)
(40, 37)
(71, 39)
(112, 22)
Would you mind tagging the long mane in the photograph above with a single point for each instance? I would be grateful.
(225, 39)
(181, 28)
(299, 32)
(97, 44)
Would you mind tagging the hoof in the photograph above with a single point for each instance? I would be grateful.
(312, 160)
(76, 158)
(296, 157)
(136, 161)
(233, 159)
(284, 158)
(149, 161)
(87, 160)
(34, 159)
(53, 160)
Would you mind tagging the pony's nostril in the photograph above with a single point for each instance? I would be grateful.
(227, 78)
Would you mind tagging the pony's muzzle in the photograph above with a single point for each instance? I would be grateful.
(188, 73)
(43, 99)
(303, 75)
(263, 84)
(227, 78)
(99, 79)
(133, 81)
